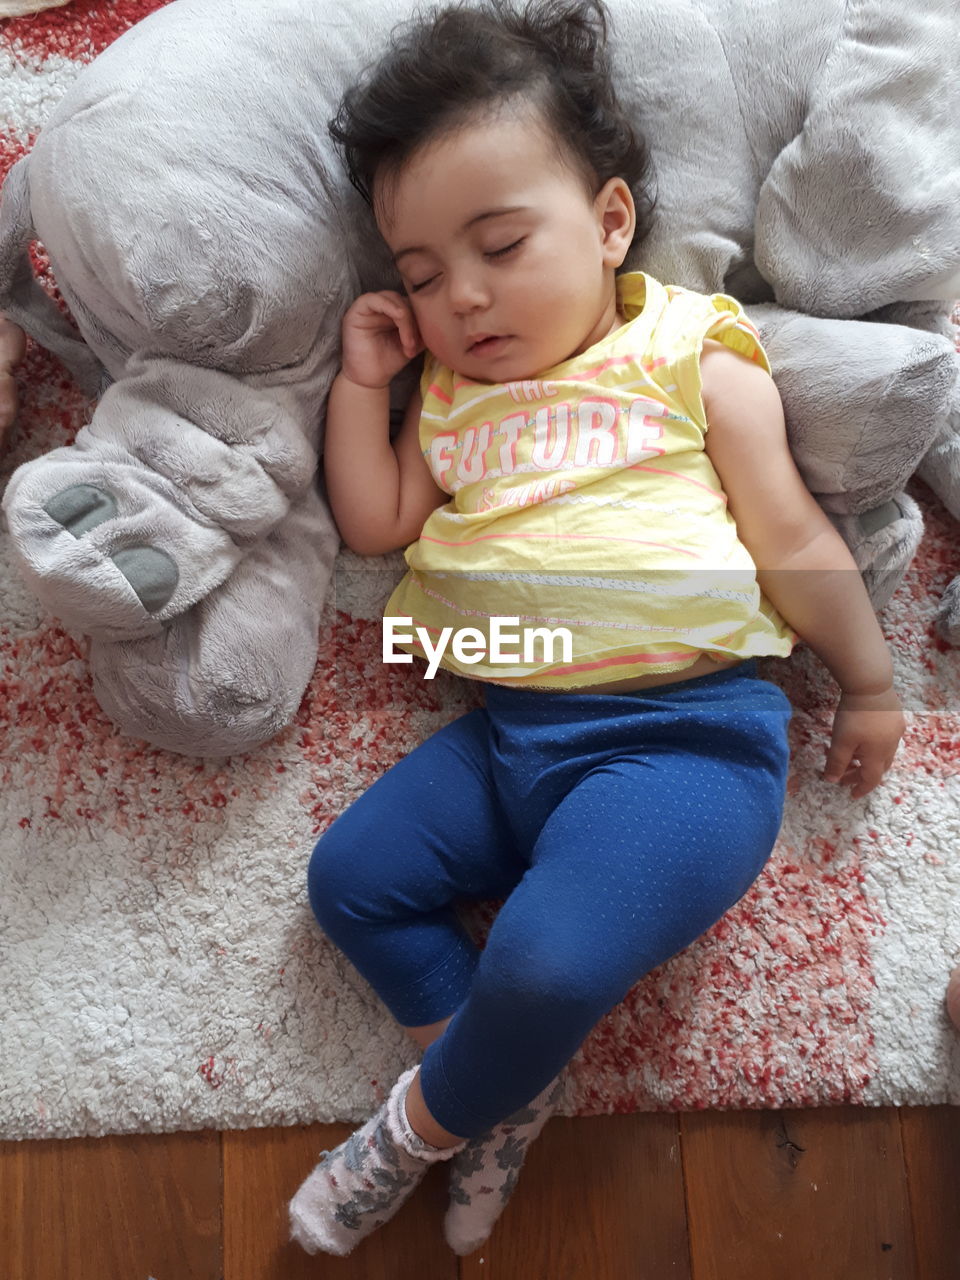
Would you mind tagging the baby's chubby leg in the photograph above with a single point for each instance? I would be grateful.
(639, 859)
(421, 1121)
(484, 1173)
(382, 883)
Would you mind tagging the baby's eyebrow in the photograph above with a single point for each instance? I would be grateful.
(470, 222)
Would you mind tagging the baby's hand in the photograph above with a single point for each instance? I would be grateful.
(867, 728)
(380, 336)
(13, 344)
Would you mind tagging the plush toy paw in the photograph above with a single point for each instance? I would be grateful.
(181, 472)
(229, 674)
(883, 542)
(940, 469)
(111, 548)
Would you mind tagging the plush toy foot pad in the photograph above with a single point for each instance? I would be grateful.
(151, 572)
(112, 548)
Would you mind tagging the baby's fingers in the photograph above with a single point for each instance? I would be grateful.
(839, 760)
(372, 308)
(863, 772)
(406, 322)
(867, 777)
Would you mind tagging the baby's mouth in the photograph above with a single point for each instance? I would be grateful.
(488, 344)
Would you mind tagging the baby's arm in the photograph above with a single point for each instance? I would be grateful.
(803, 565)
(380, 492)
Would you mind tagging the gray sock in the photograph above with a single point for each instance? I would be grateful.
(484, 1174)
(361, 1185)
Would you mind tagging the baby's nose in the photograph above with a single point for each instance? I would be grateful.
(468, 292)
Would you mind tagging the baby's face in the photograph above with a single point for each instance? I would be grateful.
(505, 257)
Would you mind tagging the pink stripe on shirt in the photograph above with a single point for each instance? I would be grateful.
(628, 660)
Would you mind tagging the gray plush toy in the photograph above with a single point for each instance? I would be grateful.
(205, 239)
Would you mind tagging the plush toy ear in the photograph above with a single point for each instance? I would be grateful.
(860, 210)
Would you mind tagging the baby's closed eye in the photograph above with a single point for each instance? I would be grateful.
(509, 248)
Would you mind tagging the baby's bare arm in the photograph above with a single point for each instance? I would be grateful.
(803, 565)
(380, 492)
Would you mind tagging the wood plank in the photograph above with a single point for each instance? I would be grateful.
(599, 1197)
(132, 1206)
(262, 1169)
(931, 1143)
(798, 1194)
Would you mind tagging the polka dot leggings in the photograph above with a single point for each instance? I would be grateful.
(617, 827)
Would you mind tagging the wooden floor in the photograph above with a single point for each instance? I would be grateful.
(841, 1194)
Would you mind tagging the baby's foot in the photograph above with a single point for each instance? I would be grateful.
(13, 344)
(363, 1183)
(484, 1174)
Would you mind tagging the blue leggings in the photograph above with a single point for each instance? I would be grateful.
(618, 827)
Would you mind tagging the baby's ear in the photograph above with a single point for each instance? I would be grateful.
(618, 220)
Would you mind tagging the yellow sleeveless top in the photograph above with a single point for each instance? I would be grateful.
(584, 500)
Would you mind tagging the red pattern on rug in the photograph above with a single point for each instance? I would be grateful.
(79, 30)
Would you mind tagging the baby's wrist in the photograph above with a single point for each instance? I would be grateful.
(870, 676)
(356, 382)
(864, 699)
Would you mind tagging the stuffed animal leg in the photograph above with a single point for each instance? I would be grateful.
(940, 467)
(859, 426)
(182, 470)
(941, 471)
(229, 674)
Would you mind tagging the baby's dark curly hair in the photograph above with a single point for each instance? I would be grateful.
(468, 60)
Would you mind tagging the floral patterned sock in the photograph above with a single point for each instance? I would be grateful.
(484, 1174)
(363, 1183)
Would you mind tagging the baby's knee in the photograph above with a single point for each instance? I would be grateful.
(331, 879)
(544, 977)
(348, 878)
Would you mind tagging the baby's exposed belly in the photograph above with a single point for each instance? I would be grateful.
(702, 667)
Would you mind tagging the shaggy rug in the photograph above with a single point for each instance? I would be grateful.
(159, 965)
